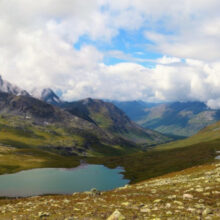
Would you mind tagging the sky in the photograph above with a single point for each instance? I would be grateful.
(150, 50)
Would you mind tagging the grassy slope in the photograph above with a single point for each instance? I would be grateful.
(23, 133)
(111, 119)
(25, 145)
(163, 159)
(16, 132)
(14, 159)
(142, 166)
(174, 156)
(104, 120)
(210, 134)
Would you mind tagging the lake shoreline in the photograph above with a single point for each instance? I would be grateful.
(41, 181)
(133, 201)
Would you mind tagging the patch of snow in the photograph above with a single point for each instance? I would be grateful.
(7, 87)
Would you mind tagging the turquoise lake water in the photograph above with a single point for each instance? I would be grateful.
(60, 180)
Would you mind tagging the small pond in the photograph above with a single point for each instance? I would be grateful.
(60, 181)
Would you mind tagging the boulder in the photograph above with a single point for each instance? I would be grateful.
(116, 215)
(187, 196)
(95, 192)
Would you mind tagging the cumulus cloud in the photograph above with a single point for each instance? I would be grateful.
(168, 60)
(183, 81)
(37, 48)
(214, 103)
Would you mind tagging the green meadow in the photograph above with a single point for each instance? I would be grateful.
(27, 146)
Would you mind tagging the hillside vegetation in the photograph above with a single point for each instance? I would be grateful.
(208, 136)
(174, 156)
(54, 138)
(47, 142)
(37, 134)
(26, 121)
(108, 117)
(17, 159)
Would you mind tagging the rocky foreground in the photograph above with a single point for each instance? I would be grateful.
(190, 194)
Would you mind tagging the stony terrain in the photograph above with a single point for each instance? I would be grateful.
(193, 193)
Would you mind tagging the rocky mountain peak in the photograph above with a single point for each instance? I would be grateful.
(7, 87)
(47, 95)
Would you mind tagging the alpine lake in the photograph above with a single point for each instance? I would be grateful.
(60, 180)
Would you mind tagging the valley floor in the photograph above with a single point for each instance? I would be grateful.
(193, 193)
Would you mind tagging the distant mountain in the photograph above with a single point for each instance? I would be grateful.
(5, 86)
(207, 138)
(26, 121)
(87, 126)
(177, 118)
(135, 110)
(111, 118)
(46, 95)
(40, 113)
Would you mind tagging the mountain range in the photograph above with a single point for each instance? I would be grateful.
(44, 94)
(177, 119)
(86, 127)
(110, 118)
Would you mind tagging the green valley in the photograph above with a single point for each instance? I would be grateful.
(174, 156)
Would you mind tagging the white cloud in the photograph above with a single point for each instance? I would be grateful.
(168, 60)
(214, 103)
(190, 80)
(37, 38)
